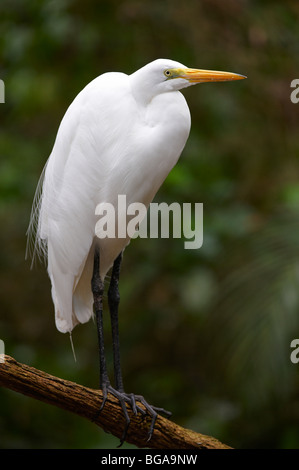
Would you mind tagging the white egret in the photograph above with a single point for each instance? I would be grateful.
(122, 134)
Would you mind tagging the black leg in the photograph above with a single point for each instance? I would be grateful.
(113, 301)
(97, 287)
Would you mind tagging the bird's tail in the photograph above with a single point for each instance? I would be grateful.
(82, 295)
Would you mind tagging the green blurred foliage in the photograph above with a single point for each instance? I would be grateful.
(205, 333)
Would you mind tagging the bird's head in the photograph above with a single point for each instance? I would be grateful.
(163, 75)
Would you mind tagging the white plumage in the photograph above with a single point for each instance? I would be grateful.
(122, 134)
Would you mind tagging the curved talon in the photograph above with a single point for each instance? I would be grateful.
(105, 394)
(151, 430)
(152, 412)
(122, 398)
(154, 408)
(161, 410)
(131, 400)
(131, 397)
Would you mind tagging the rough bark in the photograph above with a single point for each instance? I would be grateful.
(86, 402)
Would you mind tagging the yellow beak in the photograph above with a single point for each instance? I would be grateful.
(200, 76)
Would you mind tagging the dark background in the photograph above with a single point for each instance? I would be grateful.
(205, 333)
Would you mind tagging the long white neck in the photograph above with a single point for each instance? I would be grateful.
(142, 87)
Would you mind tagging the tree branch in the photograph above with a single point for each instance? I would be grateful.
(86, 402)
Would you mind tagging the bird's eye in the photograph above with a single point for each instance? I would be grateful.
(167, 73)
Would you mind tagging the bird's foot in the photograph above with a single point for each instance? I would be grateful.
(133, 400)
